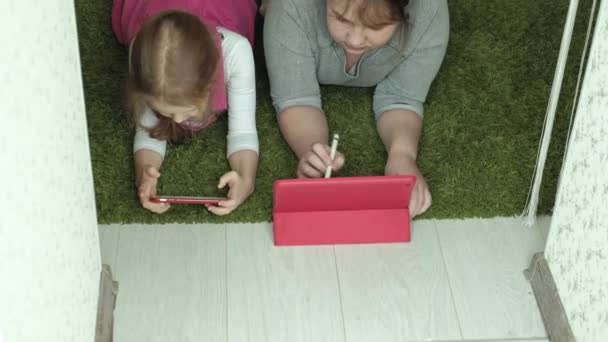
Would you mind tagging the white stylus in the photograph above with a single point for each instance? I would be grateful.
(332, 154)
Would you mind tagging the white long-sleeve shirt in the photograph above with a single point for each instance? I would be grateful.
(239, 75)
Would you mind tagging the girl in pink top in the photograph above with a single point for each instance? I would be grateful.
(189, 61)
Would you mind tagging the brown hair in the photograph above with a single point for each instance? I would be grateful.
(372, 13)
(377, 13)
(172, 59)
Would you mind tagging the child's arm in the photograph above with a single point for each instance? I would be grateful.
(245, 163)
(242, 149)
(240, 83)
(145, 159)
(240, 181)
(294, 87)
(400, 130)
(398, 105)
(149, 154)
(147, 166)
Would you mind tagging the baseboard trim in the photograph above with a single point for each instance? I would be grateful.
(108, 290)
(548, 300)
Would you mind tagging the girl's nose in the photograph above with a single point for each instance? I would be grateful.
(356, 38)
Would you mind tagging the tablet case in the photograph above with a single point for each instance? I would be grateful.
(343, 210)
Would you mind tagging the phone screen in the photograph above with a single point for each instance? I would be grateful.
(187, 199)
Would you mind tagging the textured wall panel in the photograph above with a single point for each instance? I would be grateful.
(577, 247)
(49, 247)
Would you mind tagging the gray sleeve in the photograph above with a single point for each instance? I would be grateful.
(143, 140)
(290, 60)
(407, 86)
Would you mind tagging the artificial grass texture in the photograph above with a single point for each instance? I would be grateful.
(482, 125)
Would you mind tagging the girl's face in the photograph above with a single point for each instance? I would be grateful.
(346, 28)
(178, 114)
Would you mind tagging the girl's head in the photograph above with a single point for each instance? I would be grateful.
(172, 62)
(360, 25)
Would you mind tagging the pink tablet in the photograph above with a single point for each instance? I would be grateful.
(342, 210)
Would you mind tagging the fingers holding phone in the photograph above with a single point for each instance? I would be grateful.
(147, 189)
(240, 189)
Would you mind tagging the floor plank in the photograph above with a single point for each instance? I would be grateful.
(397, 292)
(280, 293)
(485, 260)
(543, 223)
(490, 340)
(172, 281)
(109, 237)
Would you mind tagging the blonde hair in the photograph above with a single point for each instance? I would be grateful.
(172, 59)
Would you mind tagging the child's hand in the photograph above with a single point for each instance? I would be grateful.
(147, 189)
(240, 189)
(399, 164)
(314, 162)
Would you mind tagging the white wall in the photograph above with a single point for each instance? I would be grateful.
(577, 247)
(49, 248)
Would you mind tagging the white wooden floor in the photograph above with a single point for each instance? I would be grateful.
(457, 280)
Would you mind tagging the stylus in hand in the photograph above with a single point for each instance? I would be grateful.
(332, 154)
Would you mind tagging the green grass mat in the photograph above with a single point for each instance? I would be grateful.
(482, 124)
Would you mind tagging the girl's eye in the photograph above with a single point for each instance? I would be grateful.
(377, 28)
(381, 26)
(344, 21)
(339, 17)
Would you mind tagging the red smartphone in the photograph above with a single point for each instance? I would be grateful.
(187, 200)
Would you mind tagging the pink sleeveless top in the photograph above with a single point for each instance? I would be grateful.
(235, 15)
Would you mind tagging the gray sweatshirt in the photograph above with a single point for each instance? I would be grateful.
(300, 55)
